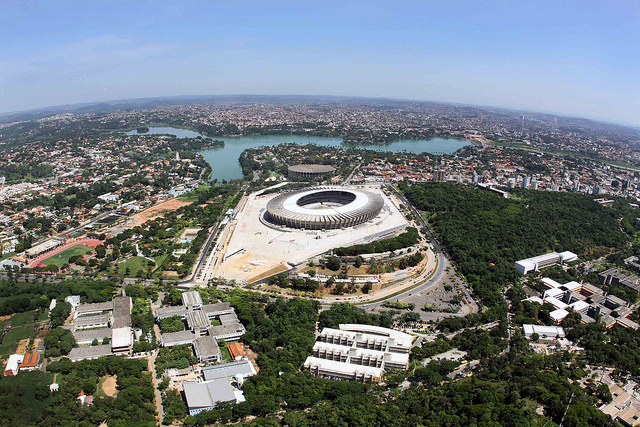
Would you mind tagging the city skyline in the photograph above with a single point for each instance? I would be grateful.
(569, 59)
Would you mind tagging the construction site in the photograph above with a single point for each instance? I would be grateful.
(252, 249)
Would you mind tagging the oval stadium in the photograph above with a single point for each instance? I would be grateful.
(324, 208)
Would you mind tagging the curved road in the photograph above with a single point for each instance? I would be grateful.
(442, 265)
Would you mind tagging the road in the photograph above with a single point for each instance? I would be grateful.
(152, 363)
(203, 256)
(440, 268)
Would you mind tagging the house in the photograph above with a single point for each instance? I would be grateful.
(236, 351)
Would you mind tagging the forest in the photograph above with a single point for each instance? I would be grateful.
(485, 234)
(18, 297)
(25, 400)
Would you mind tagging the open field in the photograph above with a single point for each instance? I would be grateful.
(155, 211)
(134, 264)
(107, 386)
(62, 258)
(23, 325)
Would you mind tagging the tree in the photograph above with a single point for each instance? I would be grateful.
(333, 263)
(101, 251)
(366, 288)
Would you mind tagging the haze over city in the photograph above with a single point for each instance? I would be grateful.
(571, 58)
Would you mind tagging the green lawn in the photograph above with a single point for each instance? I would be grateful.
(99, 391)
(226, 356)
(62, 258)
(157, 272)
(215, 322)
(22, 326)
(7, 255)
(134, 264)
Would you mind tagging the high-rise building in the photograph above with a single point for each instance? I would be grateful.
(525, 182)
(475, 177)
(534, 184)
(438, 175)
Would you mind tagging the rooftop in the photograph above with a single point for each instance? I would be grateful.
(191, 299)
(208, 394)
(90, 352)
(227, 370)
(121, 312)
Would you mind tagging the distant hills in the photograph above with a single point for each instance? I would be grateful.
(173, 101)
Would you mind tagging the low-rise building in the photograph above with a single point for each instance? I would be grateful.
(13, 364)
(242, 368)
(85, 337)
(87, 353)
(358, 352)
(207, 395)
(30, 362)
(545, 333)
(525, 266)
(121, 340)
(206, 349)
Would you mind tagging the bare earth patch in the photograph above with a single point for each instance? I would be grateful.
(109, 386)
(155, 211)
(22, 346)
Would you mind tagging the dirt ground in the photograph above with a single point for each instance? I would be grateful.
(253, 357)
(22, 346)
(170, 273)
(154, 211)
(109, 386)
(5, 317)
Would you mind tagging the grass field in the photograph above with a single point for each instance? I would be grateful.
(215, 322)
(134, 264)
(7, 255)
(22, 326)
(62, 258)
(226, 356)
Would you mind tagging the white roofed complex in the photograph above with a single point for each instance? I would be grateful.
(358, 352)
(525, 266)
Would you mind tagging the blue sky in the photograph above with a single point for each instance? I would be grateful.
(578, 58)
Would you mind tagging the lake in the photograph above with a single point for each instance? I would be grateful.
(224, 161)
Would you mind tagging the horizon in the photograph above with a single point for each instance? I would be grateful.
(192, 97)
(567, 59)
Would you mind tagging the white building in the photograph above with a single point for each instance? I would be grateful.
(544, 332)
(525, 266)
(121, 340)
(13, 363)
(358, 352)
(207, 395)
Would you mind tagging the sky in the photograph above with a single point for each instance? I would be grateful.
(579, 58)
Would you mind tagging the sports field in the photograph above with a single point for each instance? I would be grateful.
(62, 258)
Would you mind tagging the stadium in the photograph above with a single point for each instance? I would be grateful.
(324, 208)
(310, 171)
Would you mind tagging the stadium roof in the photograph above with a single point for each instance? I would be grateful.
(312, 168)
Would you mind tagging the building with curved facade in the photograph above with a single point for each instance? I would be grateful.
(309, 171)
(324, 208)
